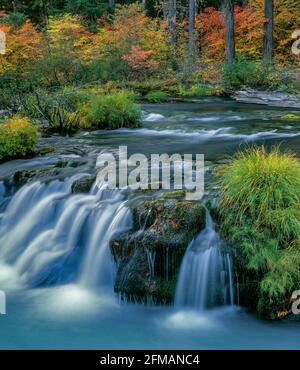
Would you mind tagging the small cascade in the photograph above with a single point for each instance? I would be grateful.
(109, 219)
(151, 262)
(51, 236)
(2, 195)
(205, 277)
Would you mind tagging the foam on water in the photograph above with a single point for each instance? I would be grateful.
(153, 117)
(208, 134)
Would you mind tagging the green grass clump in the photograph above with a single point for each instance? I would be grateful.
(260, 214)
(169, 86)
(17, 137)
(197, 91)
(111, 111)
(156, 97)
(291, 116)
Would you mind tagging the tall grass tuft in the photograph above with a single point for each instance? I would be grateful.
(111, 111)
(260, 203)
(264, 187)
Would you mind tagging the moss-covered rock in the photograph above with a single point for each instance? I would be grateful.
(148, 257)
(83, 185)
(22, 177)
(61, 170)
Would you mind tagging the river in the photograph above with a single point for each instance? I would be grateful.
(56, 304)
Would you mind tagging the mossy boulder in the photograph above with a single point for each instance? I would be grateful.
(22, 177)
(148, 257)
(83, 185)
(62, 169)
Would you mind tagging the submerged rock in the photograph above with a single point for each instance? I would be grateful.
(59, 170)
(22, 177)
(149, 256)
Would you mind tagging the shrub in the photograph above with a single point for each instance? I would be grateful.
(156, 97)
(58, 109)
(198, 90)
(243, 73)
(260, 199)
(169, 86)
(134, 44)
(68, 51)
(249, 73)
(17, 137)
(111, 111)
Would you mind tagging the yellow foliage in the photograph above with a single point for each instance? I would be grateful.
(133, 29)
(67, 36)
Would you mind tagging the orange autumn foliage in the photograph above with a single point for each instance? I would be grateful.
(248, 28)
(134, 40)
(249, 21)
(139, 59)
(23, 45)
(287, 20)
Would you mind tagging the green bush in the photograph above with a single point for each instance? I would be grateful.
(69, 109)
(59, 109)
(198, 90)
(260, 214)
(111, 111)
(17, 137)
(253, 74)
(243, 73)
(168, 86)
(156, 97)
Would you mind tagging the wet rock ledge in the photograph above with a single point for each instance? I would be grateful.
(271, 98)
(148, 257)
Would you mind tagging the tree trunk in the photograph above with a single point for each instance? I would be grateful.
(15, 4)
(172, 22)
(230, 35)
(191, 48)
(111, 3)
(268, 32)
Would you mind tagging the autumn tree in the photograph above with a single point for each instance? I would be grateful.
(133, 42)
(23, 46)
(70, 47)
(286, 21)
(268, 32)
(249, 21)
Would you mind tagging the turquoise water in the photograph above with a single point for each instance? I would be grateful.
(63, 313)
(68, 317)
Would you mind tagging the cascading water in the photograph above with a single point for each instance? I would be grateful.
(2, 194)
(205, 277)
(45, 233)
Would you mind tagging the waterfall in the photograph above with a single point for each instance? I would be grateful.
(205, 277)
(51, 236)
(2, 195)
